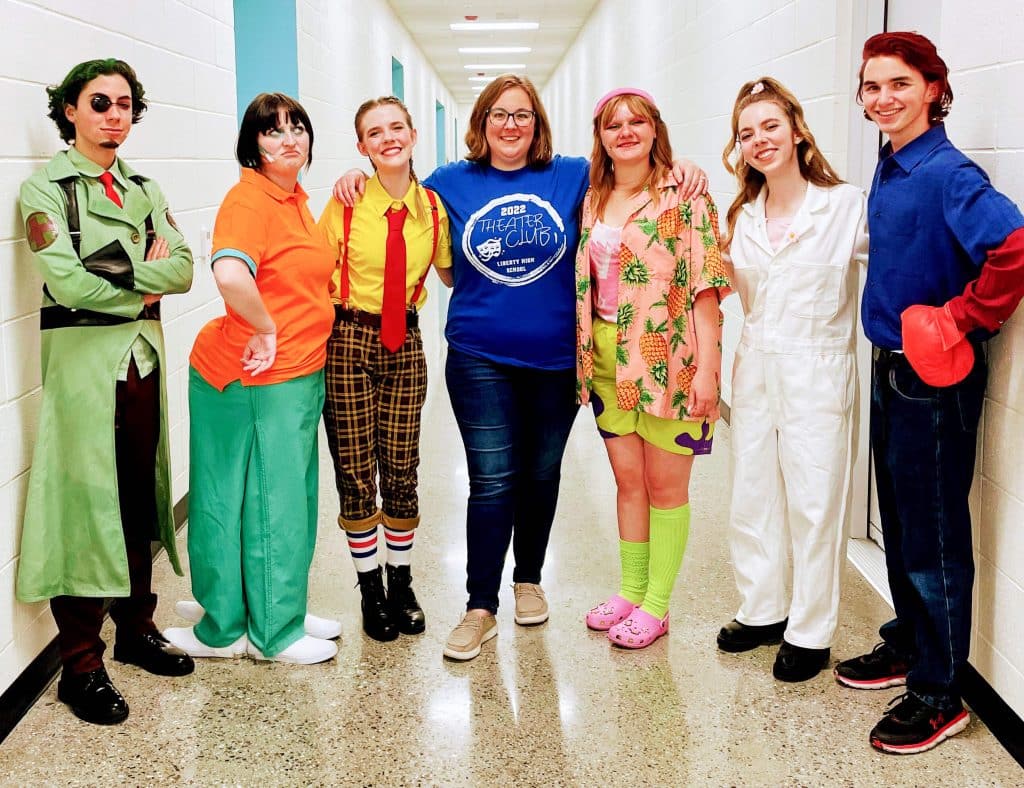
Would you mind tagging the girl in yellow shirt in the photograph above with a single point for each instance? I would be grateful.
(376, 375)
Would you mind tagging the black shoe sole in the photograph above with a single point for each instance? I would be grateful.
(797, 676)
(415, 629)
(171, 671)
(735, 648)
(382, 637)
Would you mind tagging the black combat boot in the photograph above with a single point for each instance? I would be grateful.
(377, 620)
(405, 610)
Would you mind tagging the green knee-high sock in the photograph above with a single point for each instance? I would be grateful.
(634, 557)
(669, 531)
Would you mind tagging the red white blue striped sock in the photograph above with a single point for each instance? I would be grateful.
(399, 546)
(363, 546)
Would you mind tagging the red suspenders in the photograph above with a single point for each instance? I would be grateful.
(347, 229)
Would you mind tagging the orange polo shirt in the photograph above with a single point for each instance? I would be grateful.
(368, 244)
(274, 233)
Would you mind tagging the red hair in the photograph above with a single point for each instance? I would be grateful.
(920, 54)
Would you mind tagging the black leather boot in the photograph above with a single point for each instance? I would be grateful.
(377, 621)
(405, 610)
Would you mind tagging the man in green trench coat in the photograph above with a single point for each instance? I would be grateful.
(99, 491)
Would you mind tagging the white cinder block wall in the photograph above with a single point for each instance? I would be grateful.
(345, 51)
(705, 50)
(183, 53)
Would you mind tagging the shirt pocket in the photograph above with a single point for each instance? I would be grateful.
(813, 289)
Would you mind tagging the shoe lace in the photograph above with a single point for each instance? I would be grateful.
(882, 652)
(907, 708)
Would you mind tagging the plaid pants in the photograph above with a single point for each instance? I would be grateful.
(372, 417)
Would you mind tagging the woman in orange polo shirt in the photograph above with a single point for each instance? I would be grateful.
(255, 394)
(376, 371)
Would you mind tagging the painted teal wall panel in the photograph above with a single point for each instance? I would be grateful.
(266, 49)
(440, 129)
(397, 79)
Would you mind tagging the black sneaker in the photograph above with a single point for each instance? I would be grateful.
(911, 725)
(883, 667)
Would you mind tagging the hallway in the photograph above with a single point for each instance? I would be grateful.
(542, 706)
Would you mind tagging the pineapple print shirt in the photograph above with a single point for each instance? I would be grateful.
(668, 255)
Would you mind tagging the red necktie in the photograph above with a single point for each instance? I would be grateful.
(108, 185)
(392, 312)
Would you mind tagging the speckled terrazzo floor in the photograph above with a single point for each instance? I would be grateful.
(552, 705)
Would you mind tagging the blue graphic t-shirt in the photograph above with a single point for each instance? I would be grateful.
(514, 237)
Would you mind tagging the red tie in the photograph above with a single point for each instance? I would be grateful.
(108, 185)
(392, 313)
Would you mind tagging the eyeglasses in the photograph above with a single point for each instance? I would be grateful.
(521, 117)
(101, 104)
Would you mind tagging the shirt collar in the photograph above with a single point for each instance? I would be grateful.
(915, 151)
(263, 183)
(91, 169)
(379, 201)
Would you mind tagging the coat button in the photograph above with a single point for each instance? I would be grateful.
(135, 238)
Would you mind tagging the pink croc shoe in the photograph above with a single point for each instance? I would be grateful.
(608, 614)
(639, 630)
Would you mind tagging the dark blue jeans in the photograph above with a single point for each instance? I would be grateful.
(514, 422)
(923, 442)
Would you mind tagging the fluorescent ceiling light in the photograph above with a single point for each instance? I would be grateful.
(480, 79)
(493, 50)
(495, 66)
(494, 25)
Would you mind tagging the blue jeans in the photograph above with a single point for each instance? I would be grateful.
(923, 442)
(514, 422)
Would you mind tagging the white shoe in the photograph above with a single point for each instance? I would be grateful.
(323, 628)
(185, 639)
(304, 651)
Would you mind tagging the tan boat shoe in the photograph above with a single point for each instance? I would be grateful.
(531, 604)
(465, 640)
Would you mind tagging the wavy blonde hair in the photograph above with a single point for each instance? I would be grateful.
(814, 167)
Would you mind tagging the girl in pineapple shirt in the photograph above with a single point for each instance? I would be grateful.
(649, 279)
(797, 232)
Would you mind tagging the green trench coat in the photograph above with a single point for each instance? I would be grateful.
(72, 542)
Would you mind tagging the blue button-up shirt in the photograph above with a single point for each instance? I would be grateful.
(933, 216)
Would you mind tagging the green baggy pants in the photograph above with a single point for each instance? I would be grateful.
(253, 507)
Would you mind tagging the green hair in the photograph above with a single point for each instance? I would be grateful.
(67, 92)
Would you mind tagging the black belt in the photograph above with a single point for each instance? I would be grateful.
(883, 356)
(61, 317)
(358, 316)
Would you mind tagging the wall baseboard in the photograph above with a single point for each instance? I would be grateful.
(18, 698)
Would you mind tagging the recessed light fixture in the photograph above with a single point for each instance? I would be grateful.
(480, 79)
(493, 50)
(494, 66)
(494, 25)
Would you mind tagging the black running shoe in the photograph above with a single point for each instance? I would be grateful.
(911, 725)
(883, 667)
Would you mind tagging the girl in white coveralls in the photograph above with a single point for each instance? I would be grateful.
(796, 232)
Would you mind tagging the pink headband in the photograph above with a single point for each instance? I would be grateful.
(623, 92)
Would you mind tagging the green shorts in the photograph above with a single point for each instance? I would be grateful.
(677, 437)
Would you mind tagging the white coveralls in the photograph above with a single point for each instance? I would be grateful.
(793, 409)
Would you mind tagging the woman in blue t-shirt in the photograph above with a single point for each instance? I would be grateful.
(513, 208)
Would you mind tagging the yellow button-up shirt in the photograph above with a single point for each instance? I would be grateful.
(367, 246)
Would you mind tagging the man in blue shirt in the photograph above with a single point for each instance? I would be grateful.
(946, 268)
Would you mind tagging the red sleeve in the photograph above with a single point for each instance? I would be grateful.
(988, 301)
